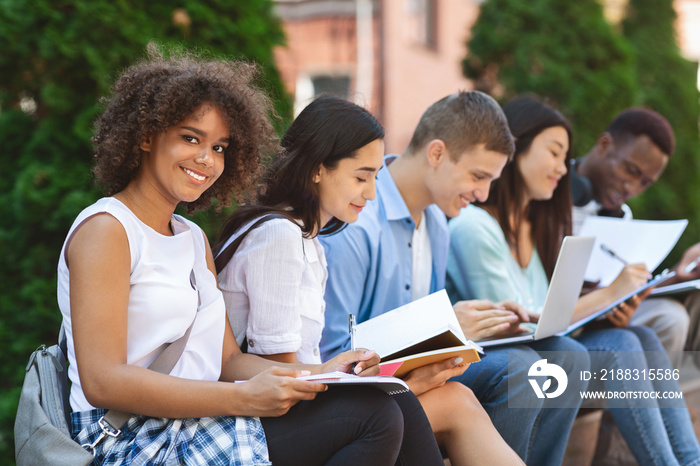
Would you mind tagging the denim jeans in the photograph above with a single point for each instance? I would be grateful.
(537, 434)
(655, 436)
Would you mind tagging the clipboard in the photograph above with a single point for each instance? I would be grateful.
(660, 278)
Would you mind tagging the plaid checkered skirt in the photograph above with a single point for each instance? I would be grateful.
(145, 440)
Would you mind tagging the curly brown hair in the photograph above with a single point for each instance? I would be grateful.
(162, 91)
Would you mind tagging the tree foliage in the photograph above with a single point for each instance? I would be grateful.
(567, 52)
(668, 85)
(558, 49)
(58, 57)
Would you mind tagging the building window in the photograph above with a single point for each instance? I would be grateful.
(311, 86)
(421, 24)
(336, 85)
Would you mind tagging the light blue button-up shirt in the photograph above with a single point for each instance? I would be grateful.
(370, 262)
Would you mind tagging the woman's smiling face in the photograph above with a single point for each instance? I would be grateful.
(345, 190)
(544, 163)
(185, 160)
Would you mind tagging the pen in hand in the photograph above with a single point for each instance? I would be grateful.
(613, 254)
(692, 266)
(351, 329)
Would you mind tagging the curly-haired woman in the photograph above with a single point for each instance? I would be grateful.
(134, 277)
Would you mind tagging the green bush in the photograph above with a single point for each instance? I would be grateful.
(566, 51)
(558, 49)
(668, 85)
(58, 57)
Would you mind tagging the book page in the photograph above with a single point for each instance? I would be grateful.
(328, 376)
(390, 385)
(636, 241)
(408, 325)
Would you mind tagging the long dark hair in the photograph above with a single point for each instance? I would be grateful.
(550, 219)
(327, 131)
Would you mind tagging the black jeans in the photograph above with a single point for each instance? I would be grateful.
(353, 426)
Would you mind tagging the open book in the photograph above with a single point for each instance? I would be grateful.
(419, 333)
(469, 353)
(390, 385)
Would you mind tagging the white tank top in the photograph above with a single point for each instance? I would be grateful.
(162, 299)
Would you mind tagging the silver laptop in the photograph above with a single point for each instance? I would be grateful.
(562, 295)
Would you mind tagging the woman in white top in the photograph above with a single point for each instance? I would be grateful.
(133, 277)
(273, 280)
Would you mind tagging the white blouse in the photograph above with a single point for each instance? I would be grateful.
(162, 298)
(273, 288)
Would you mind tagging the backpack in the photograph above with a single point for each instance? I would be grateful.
(42, 425)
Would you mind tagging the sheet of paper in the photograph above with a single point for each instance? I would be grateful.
(646, 241)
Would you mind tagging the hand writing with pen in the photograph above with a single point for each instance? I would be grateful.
(631, 277)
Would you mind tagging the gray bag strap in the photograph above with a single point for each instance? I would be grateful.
(62, 343)
(224, 256)
(113, 420)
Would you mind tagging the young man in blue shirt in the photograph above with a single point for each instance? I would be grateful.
(397, 252)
